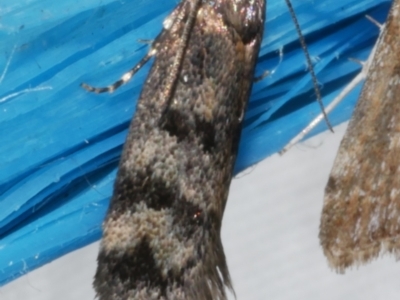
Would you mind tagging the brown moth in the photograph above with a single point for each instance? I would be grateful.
(361, 211)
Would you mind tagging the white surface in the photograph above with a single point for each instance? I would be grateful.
(270, 235)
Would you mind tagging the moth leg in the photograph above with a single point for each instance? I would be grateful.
(177, 15)
(145, 41)
(267, 73)
(262, 76)
(124, 79)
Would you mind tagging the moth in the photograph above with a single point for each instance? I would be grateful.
(361, 211)
(161, 236)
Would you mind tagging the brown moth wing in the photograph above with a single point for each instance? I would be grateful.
(361, 212)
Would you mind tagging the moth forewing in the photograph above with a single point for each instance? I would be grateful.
(361, 212)
(161, 236)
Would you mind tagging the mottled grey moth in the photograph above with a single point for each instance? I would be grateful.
(161, 236)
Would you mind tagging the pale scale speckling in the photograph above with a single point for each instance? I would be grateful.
(161, 235)
(361, 212)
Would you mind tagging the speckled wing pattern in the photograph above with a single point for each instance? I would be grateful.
(361, 212)
(161, 236)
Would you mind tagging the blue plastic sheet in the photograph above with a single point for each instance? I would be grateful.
(59, 145)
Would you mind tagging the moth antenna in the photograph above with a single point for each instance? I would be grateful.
(309, 63)
(331, 106)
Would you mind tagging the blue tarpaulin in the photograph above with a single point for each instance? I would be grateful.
(60, 145)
